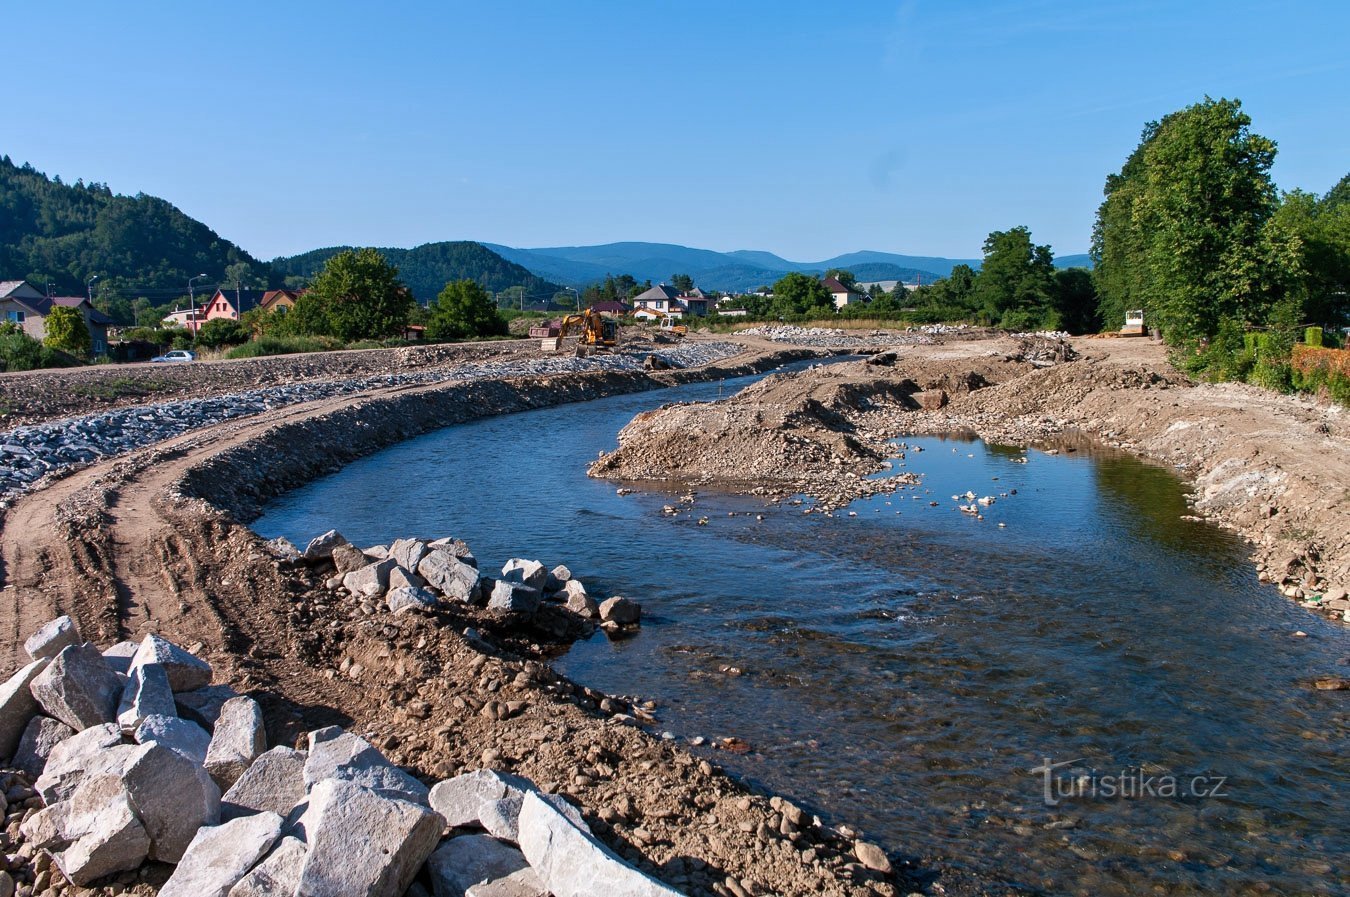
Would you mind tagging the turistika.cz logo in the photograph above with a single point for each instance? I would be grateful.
(1069, 780)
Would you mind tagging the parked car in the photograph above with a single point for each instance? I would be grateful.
(176, 355)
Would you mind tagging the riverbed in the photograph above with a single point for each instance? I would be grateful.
(905, 669)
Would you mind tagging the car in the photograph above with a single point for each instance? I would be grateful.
(175, 355)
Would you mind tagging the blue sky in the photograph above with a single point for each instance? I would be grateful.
(804, 128)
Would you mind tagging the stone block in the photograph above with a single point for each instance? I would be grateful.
(39, 739)
(18, 706)
(274, 783)
(176, 734)
(172, 796)
(238, 740)
(79, 688)
(186, 671)
(219, 856)
(52, 639)
(146, 693)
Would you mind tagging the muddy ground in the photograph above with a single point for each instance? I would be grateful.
(1275, 468)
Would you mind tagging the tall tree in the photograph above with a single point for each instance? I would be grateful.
(799, 294)
(1016, 286)
(682, 282)
(66, 331)
(464, 310)
(843, 275)
(1193, 208)
(357, 295)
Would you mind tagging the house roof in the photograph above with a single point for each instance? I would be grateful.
(612, 306)
(272, 295)
(834, 286)
(247, 299)
(95, 316)
(656, 294)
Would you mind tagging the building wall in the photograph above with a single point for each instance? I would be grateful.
(33, 325)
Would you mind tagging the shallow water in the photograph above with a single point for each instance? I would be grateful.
(905, 669)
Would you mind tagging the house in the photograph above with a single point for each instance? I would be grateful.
(843, 295)
(670, 301)
(279, 300)
(190, 318)
(612, 307)
(232, 304)
(23, 304)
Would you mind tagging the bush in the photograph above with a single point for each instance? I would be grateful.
(1315, 369)
(67, 331)
(20, 352)
(1313, 337)
(284, 345)
(222, 332)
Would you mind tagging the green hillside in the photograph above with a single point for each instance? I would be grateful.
(426, 269)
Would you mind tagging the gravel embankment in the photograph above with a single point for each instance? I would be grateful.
(31, 452)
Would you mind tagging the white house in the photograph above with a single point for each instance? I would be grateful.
(843, 295)
(24, 305)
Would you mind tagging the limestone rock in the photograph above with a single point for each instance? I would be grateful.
(52, 638)
(460, 800)
(468, 860)
(371, 581)
(78, 688)
(95, 750)
(450, 576)
(513, 597)
(146, 693)
(347, 558)
(408, 552)
(187, 672)
(46, 829)
(352, 759)
(403, 599)
(456, 547)
(219, 856)
(528, 573)
(39, 739)
(202, 705)
(930, 399)
(275, 782)
(18, 706)
(622, 611)
(501, 818)
(522, 883)
(111, 838)
(283, 549)
(172, 796)
(557, 578)
(321, 547)
(578, 602)
(571, 862)
(276, 876)
(872, 857)
(183, 736)
(237, 741)
(119, 656)
(362, 844)
(402, 578)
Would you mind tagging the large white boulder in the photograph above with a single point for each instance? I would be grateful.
(78, 688)
(513, 597)
(52, 639)
(526, 572)
(450, 576)
(370, 581)
(362, 844)
(42, 735)
(275, 782)
(276, 876)
(186, 671)
(463, 862)
(219, 856)
(321, 547)
(238, 740)
(408, 552)
(146, 693)
(571, 862)
(18, 706)
(172, 796)
(106, 833)
(99, 749)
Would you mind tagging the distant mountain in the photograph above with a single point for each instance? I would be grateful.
(1081, 260)
(742, 269)
(64, 234)
(426, 269)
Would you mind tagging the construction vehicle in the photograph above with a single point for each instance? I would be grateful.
(667, 322)
(1134, 324)
(595, 332)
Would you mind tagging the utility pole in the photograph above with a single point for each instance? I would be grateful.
(89, 288)
(192, 306)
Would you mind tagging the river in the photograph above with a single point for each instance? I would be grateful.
(915, 671)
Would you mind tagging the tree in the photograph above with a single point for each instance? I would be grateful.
(67, 331)
(1016, 285)
(799, 294)
(222, 332)
(682, 282)
(357, 295)
(1075, 301)
(464, 310)
(843, 275)
(1181, 230)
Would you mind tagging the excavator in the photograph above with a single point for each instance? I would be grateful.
(596, 333)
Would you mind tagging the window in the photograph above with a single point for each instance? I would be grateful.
(15, 317)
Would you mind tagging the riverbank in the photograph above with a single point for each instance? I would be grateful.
(1268, 466)
(155, 541)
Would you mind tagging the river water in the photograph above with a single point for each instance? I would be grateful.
(913, 670)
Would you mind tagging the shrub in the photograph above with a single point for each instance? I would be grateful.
(1315, 369)
(222, 332)
(67, 331)
(284, 345)
(20, 352)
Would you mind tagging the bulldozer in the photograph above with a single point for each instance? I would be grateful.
(595, 332)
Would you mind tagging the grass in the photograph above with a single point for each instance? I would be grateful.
(284, 345)
(118, 387)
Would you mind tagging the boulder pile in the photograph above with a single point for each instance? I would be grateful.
(130, 756)
(424, 574)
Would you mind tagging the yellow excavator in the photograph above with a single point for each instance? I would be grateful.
(595, 332)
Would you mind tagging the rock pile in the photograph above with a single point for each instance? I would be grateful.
(130, 756)
(29, 453)
(424, 574)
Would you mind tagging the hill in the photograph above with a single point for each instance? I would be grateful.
(426, 269)
(63, 234)
(741, 269)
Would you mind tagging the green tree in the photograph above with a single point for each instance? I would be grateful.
(843, 275)
(464, 310)
(682, 282)
(1016, 286)
(1181, 231)
(357, 295)
(66, 331)
(223, 332)
(1075, 301)
(799, 294)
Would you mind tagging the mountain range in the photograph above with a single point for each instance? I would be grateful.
(727, 271)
